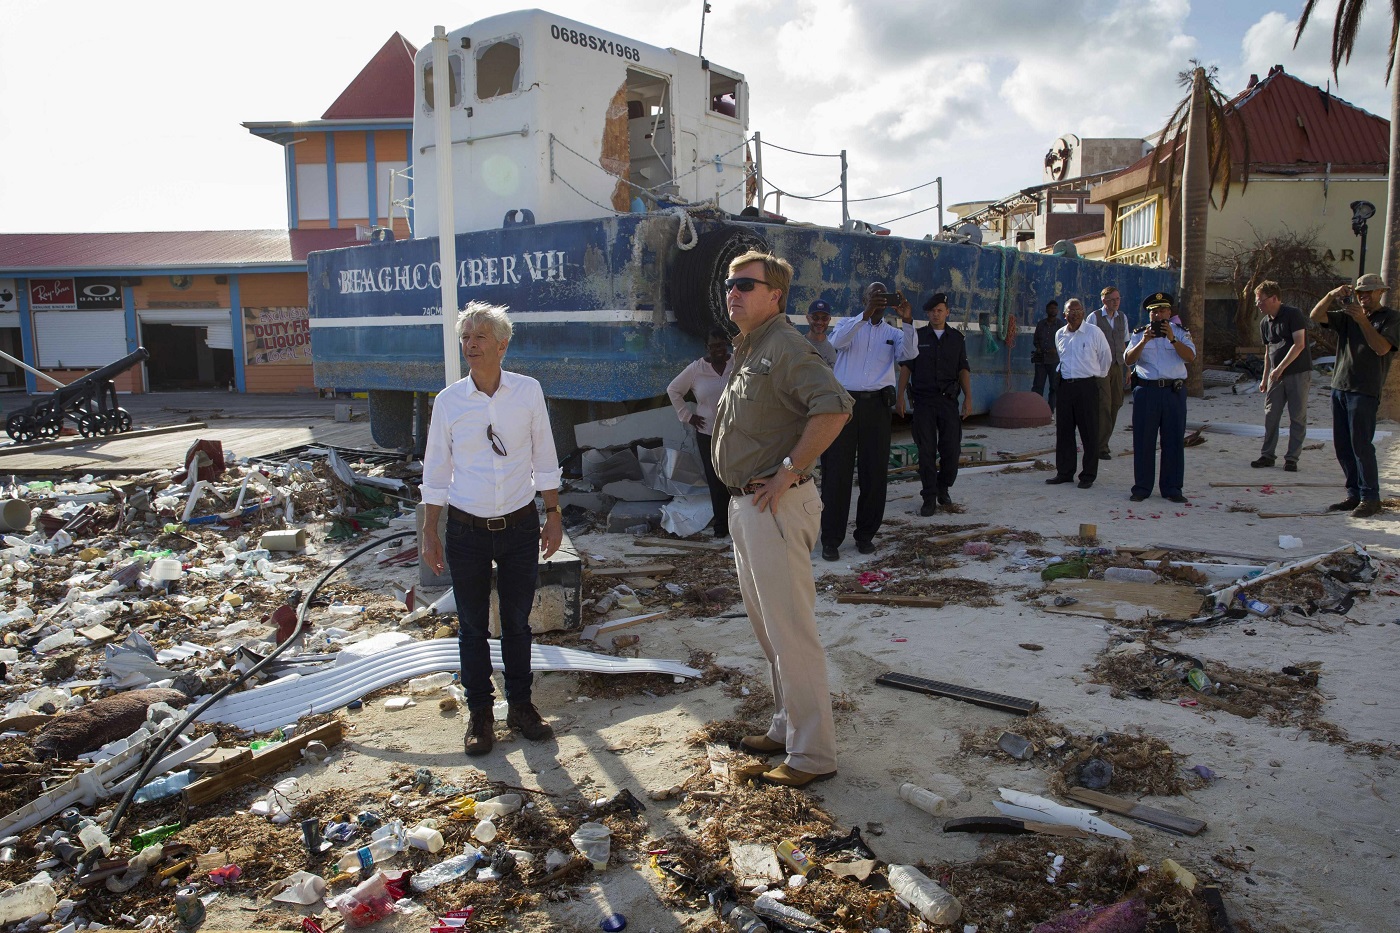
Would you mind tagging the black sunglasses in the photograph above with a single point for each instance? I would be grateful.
(744, 285)
(497, 444)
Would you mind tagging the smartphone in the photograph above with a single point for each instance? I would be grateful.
(1159, 328)
(890, 299)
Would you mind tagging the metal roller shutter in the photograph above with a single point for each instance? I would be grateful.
(219, 336)
(79, 339)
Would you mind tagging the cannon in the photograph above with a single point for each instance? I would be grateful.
(90, 403)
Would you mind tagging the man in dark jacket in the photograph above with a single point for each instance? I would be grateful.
(1044, 355)
(934, 370)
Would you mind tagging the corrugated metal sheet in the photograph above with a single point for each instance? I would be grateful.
(22, 253)
(383, 88)
(1292, 122)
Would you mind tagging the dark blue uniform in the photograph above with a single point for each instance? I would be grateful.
(934, 385)
(1159, 415)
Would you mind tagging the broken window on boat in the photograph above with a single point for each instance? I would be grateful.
(454, 82)
(497, 68)
(724, 94)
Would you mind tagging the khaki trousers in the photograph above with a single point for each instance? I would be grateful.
(773, 557)
(1110, 400)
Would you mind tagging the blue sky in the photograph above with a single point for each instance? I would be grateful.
(138, 128)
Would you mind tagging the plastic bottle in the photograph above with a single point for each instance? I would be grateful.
(26, 900)
(770, 908)
(430, 684)
(167, 786)
(924, 895)
(498, 806)
(922, 798)
(1130, 575)
(446, 870)
(92, 837)
(58, 639)
(485, 831)
(742, 919)
(341, 609)
(366, 856)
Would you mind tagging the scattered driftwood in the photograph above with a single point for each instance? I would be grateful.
(876, 599)
(682, 543)
(268, 762)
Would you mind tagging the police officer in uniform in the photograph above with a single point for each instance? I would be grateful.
(934, 370)
(1159, 354)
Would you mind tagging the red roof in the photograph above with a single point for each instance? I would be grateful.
(309, 240)
(1292, 122)
(383, 88)
(33, 252)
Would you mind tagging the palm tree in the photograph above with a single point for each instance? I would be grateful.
(1344, 31)
(1205, 130)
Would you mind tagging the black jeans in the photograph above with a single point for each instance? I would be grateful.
(938, 433)
(470, 552)
(867, 434)
(1354, 435)
(1077, 408)
(1047, 372)
(719, 493)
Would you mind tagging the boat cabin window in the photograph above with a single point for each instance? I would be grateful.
(454, 84)
(497, 68)
(650, 142)
(724, 94)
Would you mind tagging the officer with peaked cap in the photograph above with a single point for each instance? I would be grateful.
(1159, 355)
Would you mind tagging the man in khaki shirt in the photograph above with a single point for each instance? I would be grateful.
(780, 409)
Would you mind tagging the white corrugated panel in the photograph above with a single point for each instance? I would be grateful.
(79, 339)
(9, 318)
(219, 336)
(189, 317)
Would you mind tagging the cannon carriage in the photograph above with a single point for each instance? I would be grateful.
(90, 403)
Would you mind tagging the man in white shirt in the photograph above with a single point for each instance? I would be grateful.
(867, 351)
(1111, 387)
(1085, 359)
(490, 449)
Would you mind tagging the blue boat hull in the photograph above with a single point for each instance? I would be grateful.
(610, 310)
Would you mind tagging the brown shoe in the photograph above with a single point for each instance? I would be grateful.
(525, 719)
(481, 733)
(1367, 508)
(791, 777)
(761, 745)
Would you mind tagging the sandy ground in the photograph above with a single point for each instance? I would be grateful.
(1317, 823)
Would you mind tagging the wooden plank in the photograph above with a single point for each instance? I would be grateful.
(1214, 702)
(640, 570)
(878, 599)
(953, 537)
(1299, 514)
(219, 759)
(591, 632)
(268, 762)
(1126, 602)
(678, 542)
(1283, 485)
(1136, 811)
(67, 442)
(24, 723)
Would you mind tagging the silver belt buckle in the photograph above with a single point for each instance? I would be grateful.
(492, 526)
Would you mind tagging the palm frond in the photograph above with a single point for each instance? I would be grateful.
(1345, 29)
(1225, 133)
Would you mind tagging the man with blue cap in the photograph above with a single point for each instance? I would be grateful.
(1159, 358)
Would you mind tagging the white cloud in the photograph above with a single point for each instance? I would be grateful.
(1269, 42)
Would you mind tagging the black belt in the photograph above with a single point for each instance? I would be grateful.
(754, 486)
(1173, 384)
(1079, 379)
(869, 393)
(494, 524)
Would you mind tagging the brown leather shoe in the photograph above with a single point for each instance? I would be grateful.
(1367, 508)
(788, 776)
(761, 745)
(525, 719)
(481, 733)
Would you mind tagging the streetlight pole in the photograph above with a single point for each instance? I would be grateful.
(1361, 211)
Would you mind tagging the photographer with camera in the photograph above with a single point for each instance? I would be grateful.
(934, 370)
(1159, 358)
(867, 351)
(1367, 336)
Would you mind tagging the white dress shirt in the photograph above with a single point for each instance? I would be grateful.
(1084, 352)
(460, 467)
(699, 377)
(866, 353)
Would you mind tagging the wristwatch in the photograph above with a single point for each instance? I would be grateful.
(551, 508)
(792, 467)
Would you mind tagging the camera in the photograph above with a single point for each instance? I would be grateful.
(890, 299)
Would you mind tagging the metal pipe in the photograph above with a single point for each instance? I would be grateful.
(27, 368)
(758, 164)
(523, 131)
(447, 238)
(940, 201)
(845, 207)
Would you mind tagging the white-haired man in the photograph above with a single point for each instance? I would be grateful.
(490, 450)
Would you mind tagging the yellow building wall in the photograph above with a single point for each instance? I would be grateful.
(284, 290)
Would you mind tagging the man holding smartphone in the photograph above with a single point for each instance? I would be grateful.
(1367, 336)
(867, 351)
(1159, 359)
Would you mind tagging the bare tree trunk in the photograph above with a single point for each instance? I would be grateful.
(1390, 257)
(1195, 206)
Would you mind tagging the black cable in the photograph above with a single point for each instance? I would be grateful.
(120, 813)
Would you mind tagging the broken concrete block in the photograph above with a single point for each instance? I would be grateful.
(625, 516)
(289, 539)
